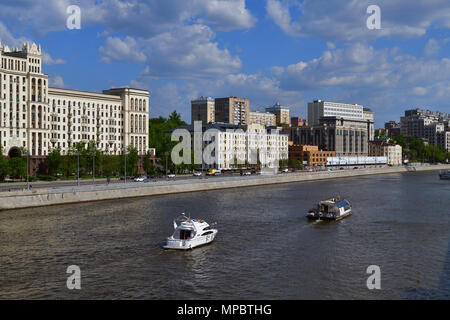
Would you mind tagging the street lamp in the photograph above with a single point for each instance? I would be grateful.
(78, 168)
(28, 169)
(166, 154)
(125, 154)
(93, 166)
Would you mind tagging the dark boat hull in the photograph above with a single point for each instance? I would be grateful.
(325, 218)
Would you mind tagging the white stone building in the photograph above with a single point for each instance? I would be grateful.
(39, 118)
(318, 109)
(243, 145)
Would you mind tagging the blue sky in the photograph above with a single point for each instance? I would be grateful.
(269, 51)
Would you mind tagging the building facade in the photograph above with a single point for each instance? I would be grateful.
(263, 118)
(310, 155)
(368, 116)
(38, 118)
(248, 146)
(281, 112)
(393, 152)
(392, 128)
(318, 109)
(203, 109)
(345, 137)
(298, 122)
(425, 124)
(232, 110)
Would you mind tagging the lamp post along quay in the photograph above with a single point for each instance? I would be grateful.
(93, 167)
(125, 154)
(78, 168)
(167, 155)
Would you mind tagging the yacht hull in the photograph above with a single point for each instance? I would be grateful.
(189, 244)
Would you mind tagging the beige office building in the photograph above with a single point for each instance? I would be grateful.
(263, 118)
(381, 148)
(39, 118)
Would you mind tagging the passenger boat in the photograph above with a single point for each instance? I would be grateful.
(190, 233)
(331, 209)
(445, 175)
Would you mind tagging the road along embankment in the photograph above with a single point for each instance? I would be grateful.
(67, 195)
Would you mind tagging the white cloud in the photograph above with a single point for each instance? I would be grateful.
(134, 17)
(56, 81)
(48, 60)
(431, 48)
(116, 49)
(7, 38)
(336, 20)
(227, 15)
(188, 52)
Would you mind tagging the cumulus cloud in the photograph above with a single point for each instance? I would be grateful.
(116, 49)
(48, 60)
(346, 20)
(56, 81)
(227, 15)
(188, 52)
(135, 17)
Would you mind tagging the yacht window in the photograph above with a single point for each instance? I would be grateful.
(206, 233)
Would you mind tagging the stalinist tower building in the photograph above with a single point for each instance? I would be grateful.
(40, 118)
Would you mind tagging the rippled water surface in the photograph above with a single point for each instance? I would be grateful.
(265, 248)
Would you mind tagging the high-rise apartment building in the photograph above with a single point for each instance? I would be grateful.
(203, 109)
(39, 118)
(281, 113)
(232, 110)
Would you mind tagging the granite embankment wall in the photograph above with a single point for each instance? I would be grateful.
(47, 197)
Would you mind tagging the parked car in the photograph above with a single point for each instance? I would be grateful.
(197, 174)
(285, 170)
(140, 179)
(247, 173)
(171, 176)
(214, 172)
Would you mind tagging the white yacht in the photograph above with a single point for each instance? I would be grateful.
(190, 233)
(331, 209)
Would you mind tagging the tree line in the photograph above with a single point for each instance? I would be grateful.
(417, 151)
(87, 158)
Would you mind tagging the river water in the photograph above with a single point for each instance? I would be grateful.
(265, 248)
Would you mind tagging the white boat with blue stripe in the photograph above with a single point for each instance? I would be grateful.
(332, 210)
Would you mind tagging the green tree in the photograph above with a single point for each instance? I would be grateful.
(132, 161)
(147, 164)
(110, 164)
(54, 161)
(295, 163)
(92, 156)
(3, 165)
(17, 167)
